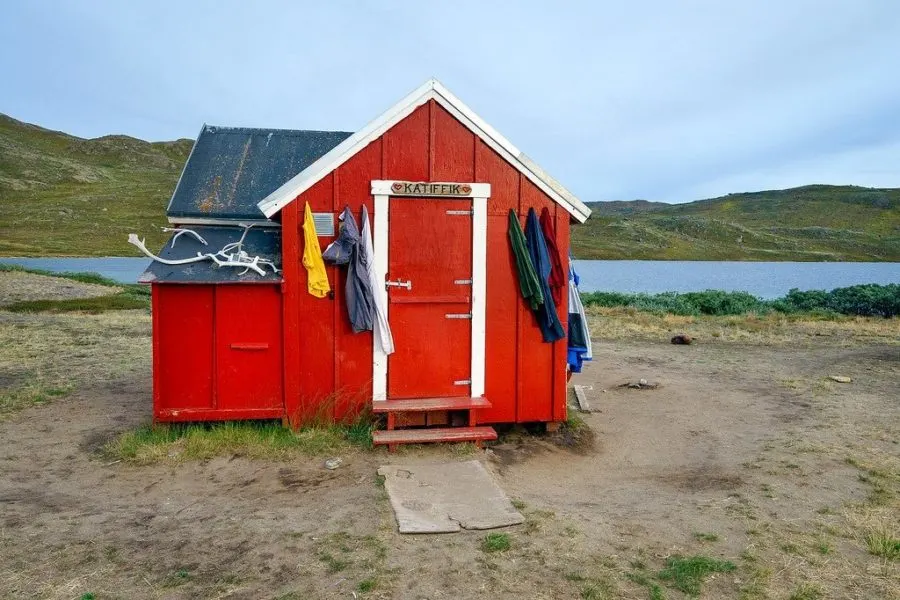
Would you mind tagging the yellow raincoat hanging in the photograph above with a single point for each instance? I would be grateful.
(317, 277)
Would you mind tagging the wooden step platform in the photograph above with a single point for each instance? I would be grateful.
(435, 434)
(430, 404)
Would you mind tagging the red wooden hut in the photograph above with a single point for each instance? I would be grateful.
(439, 183)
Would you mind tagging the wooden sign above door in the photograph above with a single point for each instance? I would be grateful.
(440, 189)
(424, 188)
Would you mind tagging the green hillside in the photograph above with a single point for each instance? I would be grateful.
(811, 223)
(64, 195)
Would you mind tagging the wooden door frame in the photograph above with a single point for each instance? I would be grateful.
(382, 191)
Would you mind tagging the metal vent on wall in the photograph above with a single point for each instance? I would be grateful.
(324, 223)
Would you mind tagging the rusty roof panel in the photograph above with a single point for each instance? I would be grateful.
(231, 169)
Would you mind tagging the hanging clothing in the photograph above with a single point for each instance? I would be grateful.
(558, 280)
(548, 320)
(579, 341)
(367, 252)
(316, 275)
(529, 283)
(358, 292)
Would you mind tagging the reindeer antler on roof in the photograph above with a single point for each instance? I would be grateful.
(231, 255)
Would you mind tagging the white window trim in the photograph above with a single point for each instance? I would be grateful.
(479, 196)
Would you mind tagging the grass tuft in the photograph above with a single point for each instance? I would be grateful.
(883, 544)
(495, 542)
(706, 537)
(687, 574)
(253, 439)
(806, 591)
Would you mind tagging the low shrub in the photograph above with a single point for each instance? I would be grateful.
(868, 300)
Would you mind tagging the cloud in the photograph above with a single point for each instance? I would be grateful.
(646, 99)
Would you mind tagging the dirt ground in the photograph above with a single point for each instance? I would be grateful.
(745, 452)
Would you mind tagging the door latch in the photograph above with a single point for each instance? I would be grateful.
(399, 283)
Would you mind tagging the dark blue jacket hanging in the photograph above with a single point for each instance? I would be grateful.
(548, 321)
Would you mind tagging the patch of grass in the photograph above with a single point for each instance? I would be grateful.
(88, 596)
(687, 574)
(35, 394)
(518, 504)
(253, 439)
(333, 564)
(83, 277)
(883, 544)
(495, 542)
(367, 585)
(654, 590)
(706, 537)
(597, 590)
(94, 305)
(806, 591)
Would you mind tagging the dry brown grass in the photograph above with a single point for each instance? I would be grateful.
(631, 324)
(47, 354)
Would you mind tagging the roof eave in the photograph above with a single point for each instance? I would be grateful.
(430, 90)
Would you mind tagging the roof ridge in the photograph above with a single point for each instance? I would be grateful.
(230, 129)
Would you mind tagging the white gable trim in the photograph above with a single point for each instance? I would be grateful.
(430, 90)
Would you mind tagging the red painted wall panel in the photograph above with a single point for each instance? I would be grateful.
(315, 335)
(183, 319)
(503, 297)
(560, 385)
(249, 364)
(535, 356)
(406, 147)
(504, 179)
(453, 150)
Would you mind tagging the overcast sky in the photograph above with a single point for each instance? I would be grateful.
(654, 99)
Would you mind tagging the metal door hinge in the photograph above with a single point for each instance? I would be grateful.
(463, 382)
(458, 315)
(462, 282)
(461, 212)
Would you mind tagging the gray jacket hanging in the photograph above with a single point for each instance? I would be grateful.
(345, 250)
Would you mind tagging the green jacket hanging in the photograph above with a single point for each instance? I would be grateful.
(528, 279)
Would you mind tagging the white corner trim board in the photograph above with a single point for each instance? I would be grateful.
(380, 245)
(479, 293)
(430, 90)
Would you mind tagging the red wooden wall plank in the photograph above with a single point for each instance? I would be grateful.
(315, 339)
(503, 297)
(504, 180)
(453, 152)
(290, 287)
(157, 369)
(560, 385)
(406, 147)
(353, 351)
(185, 316)
(536, 375)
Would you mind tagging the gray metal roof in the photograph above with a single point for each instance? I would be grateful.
(264, 242)
(231, 169)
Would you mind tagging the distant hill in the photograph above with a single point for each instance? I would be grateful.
(64, 195)
(810, 223)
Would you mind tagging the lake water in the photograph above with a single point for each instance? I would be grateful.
(764, 279)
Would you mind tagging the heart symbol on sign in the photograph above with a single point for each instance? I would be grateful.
(397, 186)
(465, 189)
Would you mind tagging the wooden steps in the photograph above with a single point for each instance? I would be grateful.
(434, 434)
(429, 404)
(431, 411)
